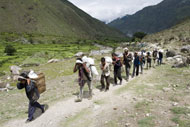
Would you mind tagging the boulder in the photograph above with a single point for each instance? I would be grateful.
(79, 54)
(179, 65)
(3, 89)
(95, 53)
(15, 70)
(106, 51)
(53, 61)
(9, 87)
(170, 59)
(119, 54)
(185, 49)
(2, 84)
(165, 89)
(119, 48)
(178, 61)
(171, 53)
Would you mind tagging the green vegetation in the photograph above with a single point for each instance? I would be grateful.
(138, 36)
(146, 122)
(10, 50)
(143, 106)
(181, 116)
(180, 110)
(40, 53)
(52, 18)
(154, 18)
(176, 36)
(180, 122)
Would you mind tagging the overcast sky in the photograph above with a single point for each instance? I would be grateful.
(107, 10)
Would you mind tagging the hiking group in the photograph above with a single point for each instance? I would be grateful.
(137, 60)
(35, 84)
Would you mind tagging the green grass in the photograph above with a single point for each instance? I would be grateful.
(146, 122)
(180, 122)
(180, 110)
(181, 116)
(40, 53)
(143, 106)
(161, 77)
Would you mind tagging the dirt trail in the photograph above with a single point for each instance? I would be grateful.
(67, 108)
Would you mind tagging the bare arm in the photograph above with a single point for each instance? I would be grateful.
(85, 67)
(75, 68)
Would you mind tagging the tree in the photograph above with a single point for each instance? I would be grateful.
(139, 35)
(9, 50)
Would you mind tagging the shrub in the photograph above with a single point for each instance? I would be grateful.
(10, 50)
(138, 36)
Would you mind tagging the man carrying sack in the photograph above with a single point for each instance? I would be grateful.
(32, 94)
(84, 77)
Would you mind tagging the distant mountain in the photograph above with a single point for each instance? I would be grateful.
(154, 18)
(51, 17)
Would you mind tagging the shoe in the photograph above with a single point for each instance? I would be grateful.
(78, 100)
(120, 83)
(102, 89)
(45, 108)
(107, 89)
(28, 121)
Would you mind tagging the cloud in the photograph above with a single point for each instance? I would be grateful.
(108, 10)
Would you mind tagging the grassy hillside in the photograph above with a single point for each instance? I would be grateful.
(154, 18)
(178, 35)
(47, 17)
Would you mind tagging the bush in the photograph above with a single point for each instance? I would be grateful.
(138, 36)
(10, 50)
(2, 74)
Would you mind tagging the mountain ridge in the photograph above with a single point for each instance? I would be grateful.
(155, 18)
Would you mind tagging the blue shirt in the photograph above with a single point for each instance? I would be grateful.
(136, 61)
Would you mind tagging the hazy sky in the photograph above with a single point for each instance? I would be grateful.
(107, 10)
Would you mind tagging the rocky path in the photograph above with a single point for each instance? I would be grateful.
(142, 101)
(67, 108)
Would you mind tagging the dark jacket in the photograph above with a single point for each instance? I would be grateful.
(160, 55)
(31, 91)
(117, 64)
(137, 61)
(127, 60)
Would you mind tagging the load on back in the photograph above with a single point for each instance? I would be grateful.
(39, 80)
(90, 64)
